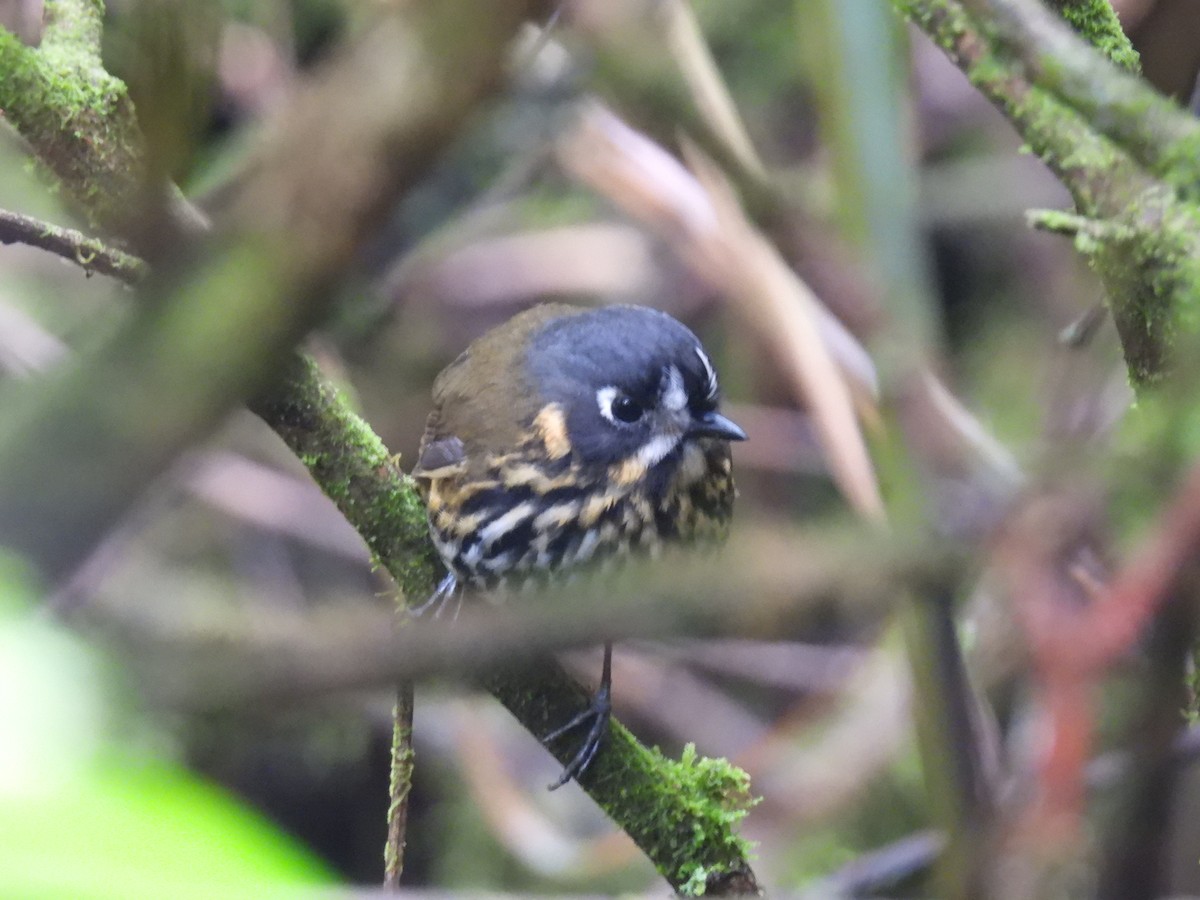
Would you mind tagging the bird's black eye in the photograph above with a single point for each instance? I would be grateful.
(626, 409)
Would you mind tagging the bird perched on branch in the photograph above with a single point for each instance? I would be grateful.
(569, 436)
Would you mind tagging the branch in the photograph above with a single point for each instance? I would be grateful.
(1116, 103)
(90, 254)
(355, 470)
(75, 26)
(1097, 23)
(1138, 825)
(79, 446)
(399, 787)
(77, 117)
(1102, 178)
(1149, 257)
(680, 814)
(791, 582)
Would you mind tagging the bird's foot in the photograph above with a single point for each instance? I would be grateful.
(598, 713)
(438, 601)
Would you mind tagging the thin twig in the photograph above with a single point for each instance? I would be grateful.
(399, 787)
(884, 868)
(90, 254)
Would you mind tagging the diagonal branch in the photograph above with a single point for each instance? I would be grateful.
(1146, 250)
(78, 447)
(1102, 178)
(1116, 103)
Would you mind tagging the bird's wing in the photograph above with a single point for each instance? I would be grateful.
(442, 452)
(482, 402)
(440, 457)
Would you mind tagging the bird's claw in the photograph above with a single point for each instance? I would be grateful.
(447, 588)
(598, 712)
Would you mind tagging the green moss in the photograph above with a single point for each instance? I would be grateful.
(1149, 258)
(1058, 221)
(717, 797)
(74, 23)
(354, 469)
(1179, 166)
(1053, 131)
(682, 814)
(1139, 233)
(76, 116)
(1097, 23)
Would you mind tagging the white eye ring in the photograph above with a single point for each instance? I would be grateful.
(607, 397)
(604, 398)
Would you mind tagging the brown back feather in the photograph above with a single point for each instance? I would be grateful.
(483, 402)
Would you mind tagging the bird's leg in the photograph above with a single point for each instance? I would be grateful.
(599, 711)
(447, 588)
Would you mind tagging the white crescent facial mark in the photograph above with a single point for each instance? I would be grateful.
(710, 374)
(655, 450)
(604, 399)
(674, 395)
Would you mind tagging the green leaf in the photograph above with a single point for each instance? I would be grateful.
(131, 831)
(81, 817)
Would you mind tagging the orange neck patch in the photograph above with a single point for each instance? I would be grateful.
(551, 426)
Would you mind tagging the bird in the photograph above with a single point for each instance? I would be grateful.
(570, 438)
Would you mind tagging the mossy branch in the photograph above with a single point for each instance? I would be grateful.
(1116, 103)
(77, 117)
(75, 25)
(1148, 255)
(1097, 23)
(355, 470)
(681, 814)
(79, 447)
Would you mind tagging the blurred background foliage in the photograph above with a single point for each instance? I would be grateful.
(886, 165)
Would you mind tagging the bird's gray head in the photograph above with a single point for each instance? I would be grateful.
(633, 384)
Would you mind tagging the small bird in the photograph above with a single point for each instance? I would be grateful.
(566, 437)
